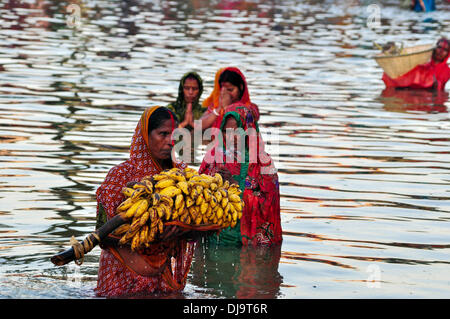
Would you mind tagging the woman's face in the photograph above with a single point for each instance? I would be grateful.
(160, 141)
(441, 51)
(232, 90)
(190, 90)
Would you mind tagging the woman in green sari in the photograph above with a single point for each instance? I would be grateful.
(187, 107)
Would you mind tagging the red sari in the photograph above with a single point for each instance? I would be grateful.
(430, 75)
(260, 223)
(121, 271)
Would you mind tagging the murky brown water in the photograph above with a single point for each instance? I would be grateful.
(364, 175)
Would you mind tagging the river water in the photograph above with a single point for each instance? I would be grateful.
(364, 174)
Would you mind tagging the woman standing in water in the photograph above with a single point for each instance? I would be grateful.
(165, 265)
(187, 106)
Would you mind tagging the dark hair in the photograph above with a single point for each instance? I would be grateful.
(158, 117)
(233, 78)
(193, 77)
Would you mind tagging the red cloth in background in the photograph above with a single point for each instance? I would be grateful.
(430, 75)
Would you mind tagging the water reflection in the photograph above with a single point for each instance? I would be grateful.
(363, 172)
(237, 272)
(404, 100)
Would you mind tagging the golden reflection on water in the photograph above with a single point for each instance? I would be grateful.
(363, 171)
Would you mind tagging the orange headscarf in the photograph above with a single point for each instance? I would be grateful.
(122, 271)
(212, 102)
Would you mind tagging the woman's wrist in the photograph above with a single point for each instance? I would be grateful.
(215, 112)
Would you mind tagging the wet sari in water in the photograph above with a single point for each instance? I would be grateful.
(257, 178)
(123, 272)
(430, 75)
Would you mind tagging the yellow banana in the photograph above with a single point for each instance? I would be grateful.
(167, 211)
(137, 193)
(179, 177)
(189, 201)
(218, 179)
(144, 218)
(194, 194)
(213, 202)
(156, 211)
(213, 186)
(178, 200)
(122, 229)
(141, 208)
(125, 205)
(224, 192)
(234, 198)
(227, 208)
(159, 177)
(200, 200)
(155, 199)
(135, 242)
(206, 209)
(132, 210)
(127, 191)
(219, 212)
(238, 206)
(184, 187)
(167, 200)
(143, 235)
(165, 183)
(207, 194)
(148, 186)
(198, 220)
(218, 195)
(226, 184)
(170, 191)
(234, 215)
(224, 202)
(233, 223)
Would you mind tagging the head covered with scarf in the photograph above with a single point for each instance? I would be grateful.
(213, 101)
(253, 169)
(122, 271)
(179, 106)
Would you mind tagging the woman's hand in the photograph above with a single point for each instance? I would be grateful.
(188, 117)
(224, 98)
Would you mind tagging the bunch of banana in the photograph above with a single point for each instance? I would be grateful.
(177, 195)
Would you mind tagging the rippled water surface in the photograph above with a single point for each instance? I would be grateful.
(364, 173)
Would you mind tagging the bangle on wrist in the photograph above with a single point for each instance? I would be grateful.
(215, 112)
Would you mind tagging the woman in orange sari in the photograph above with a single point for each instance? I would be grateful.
(165, 266)
(230, 87)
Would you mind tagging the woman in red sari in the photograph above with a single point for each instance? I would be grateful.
(249, 166)
(123, 272)
(431, 75)
(230, 87)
